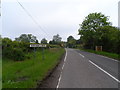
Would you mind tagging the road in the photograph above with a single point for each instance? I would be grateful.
(87, 70)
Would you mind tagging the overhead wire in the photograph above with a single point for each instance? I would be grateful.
(32, 18)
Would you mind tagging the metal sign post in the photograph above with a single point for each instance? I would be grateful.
(38, 45)
(34, 52)
(43, 53)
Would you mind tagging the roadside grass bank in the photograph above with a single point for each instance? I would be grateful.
(110, 55)
(27, 73)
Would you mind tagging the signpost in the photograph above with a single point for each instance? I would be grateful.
(39, 45)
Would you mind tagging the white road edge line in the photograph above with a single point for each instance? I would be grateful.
(62, 69)
(63, 66)
(59, 80)
(81, 55)
(104, 71)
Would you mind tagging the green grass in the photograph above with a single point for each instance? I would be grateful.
(111, 55)
(27, 73)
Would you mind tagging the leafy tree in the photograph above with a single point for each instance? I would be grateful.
(56, 39)
(6, 47)
(89, 27)
(108, 37)
(50, 42)
(44, 41)
(26, 38)
(78, 41)
(36, 41)
(71, 42)
(6, 42)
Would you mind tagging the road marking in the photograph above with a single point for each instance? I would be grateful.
(59, 80)
(63, 66)
(108, 58)
(81, 55)
(104, 71)
(65, 55)
(62, 69)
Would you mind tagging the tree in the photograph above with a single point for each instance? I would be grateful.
(108, 37)
(78, 41)
(44, 41)
(71, 42)
(56, 39)
(27, 38)
(89, 27)
(37, 41)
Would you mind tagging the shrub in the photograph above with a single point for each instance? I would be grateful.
(54, 46)
(13, 49)
(18, 54)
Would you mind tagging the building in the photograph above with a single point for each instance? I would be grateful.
(119, 14)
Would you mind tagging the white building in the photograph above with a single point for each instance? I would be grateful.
(119, 14)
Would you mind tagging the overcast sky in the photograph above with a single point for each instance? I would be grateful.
(54, 16)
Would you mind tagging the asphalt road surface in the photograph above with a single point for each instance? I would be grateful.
(87, 70)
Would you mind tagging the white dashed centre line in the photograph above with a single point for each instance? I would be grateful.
(81, 55)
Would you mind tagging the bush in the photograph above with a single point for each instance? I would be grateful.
(18, 54)
(13, 49)
(7, 52)
(54, 46)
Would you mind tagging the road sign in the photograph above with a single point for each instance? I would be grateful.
(37, 45)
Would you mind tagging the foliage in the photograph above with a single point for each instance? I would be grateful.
(29, 38)
(89, 27)
(107, 36)
(78, 41)
(44, 41)
(71, 42)
(14, 50)
(18, 54)
(6, 47)
(54, 46)
(56, 39)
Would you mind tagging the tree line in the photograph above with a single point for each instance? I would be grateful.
(95, 30)
(18, 48)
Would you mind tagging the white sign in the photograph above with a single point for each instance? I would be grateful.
(37, 45)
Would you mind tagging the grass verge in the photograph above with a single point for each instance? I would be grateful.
(27, 73)
(110, 55)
